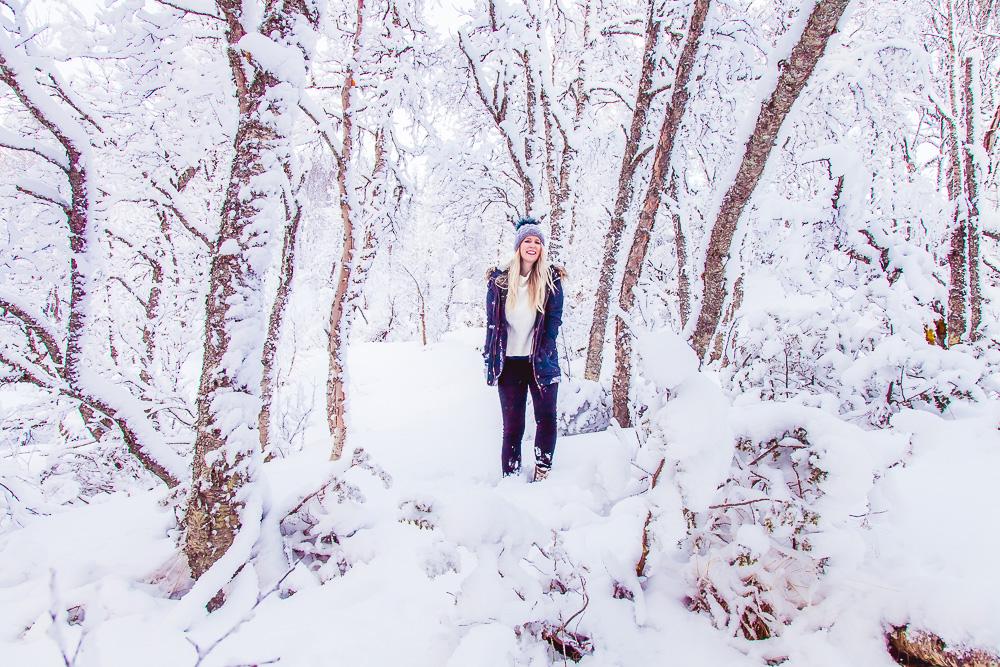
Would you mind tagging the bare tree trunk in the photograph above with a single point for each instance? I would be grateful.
(630, 161)
(376, 228)
(989, 138)
(647, 214)
(150, 322)
(226, 454)
(719, 344)
(423, 307)
(336, 390)
(558, 185)
(680, 248)
(972, 175)
(531, 102)
(964, 290)
(820, 26)
(285, 276)
(580, 98)
(957, 255)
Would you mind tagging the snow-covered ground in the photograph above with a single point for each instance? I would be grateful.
(449, 565)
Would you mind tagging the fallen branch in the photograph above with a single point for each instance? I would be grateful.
(918, 647)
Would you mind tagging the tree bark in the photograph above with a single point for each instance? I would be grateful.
(378, 225)
(964, 289)
(647, 214)
(531, 102)
(972, 175)
(680, 249)
(558, 184)
(630, 161)
(820, 26)
(274, 323)
(226, 451)
(989, 138)
(336, 389)
(578, 90)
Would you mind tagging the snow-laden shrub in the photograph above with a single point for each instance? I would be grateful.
(50, 458)
(789, 509)
(309, 529)
(862, 353)
(775, 494)
(584, 407)
(752, 563)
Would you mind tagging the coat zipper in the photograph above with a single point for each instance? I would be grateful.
(501, 322)
(539, 319)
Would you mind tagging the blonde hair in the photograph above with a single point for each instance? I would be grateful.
(539, 278)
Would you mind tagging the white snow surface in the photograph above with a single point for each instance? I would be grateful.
(90, 586)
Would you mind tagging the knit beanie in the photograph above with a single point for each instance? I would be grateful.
(526, 227)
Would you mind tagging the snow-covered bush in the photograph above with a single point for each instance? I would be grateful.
(775, 494)
(791, 508)
(50, 458)
(584, 407)
(309, 529)
(752, 561)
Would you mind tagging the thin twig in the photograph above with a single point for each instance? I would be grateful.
(187, 10)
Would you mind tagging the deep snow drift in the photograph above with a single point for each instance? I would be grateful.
(450, 565)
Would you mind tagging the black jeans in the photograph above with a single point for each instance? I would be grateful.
(515, 381)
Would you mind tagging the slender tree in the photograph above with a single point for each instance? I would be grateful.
(632, 157)
(650, 205)
(794, 75)
(382, 71)
(964, 29)
(336, 383)
(285, 275)
(256, 206)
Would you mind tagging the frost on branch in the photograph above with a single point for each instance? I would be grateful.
(752, 563)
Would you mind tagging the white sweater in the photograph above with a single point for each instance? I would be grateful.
(520, 322)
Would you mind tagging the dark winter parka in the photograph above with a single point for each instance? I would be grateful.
(544, 355)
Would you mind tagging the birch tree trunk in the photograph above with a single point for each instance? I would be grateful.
(990, 136)
(336, 389)
(647, 214)
(957, 265)
(580, 95)
(972, 176)
(820, 26)
(285, 276)
(680, 249)
(227, 448)
(964, 289)
(558, 184)
(626, 175)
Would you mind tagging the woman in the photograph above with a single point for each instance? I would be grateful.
(522, 323)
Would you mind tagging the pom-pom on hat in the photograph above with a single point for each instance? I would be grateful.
(526, 227)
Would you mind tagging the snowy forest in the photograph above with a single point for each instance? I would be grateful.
(243, 416)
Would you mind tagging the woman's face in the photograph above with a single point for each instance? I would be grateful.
(530, 249)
